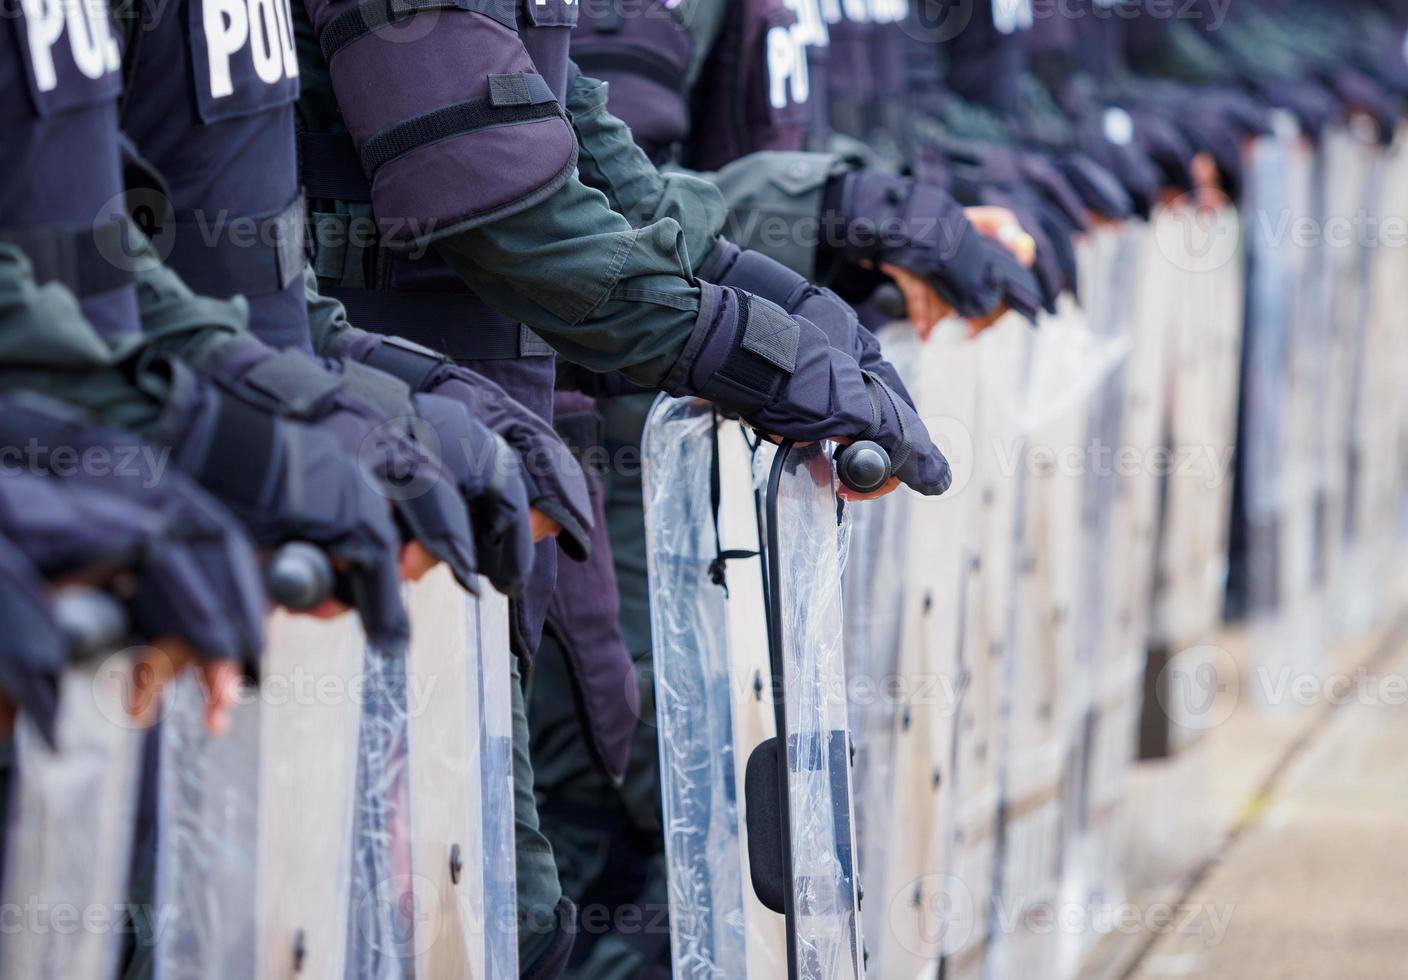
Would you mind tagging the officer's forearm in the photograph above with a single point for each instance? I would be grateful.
(776, 204)
(609, 160)
(604, 295)
(179, 320)
(46, 343)
(327, 318)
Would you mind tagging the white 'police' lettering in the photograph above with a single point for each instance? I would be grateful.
(810, 30)
(1012, 15)
(90, 40)
(787, 68)
(263, 26)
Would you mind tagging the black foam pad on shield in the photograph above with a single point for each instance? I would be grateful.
(765, 826)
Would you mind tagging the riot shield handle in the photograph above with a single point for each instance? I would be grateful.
(298, 576)
(92, 621)
(863, 466)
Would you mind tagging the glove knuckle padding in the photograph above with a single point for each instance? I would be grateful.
(765, 277)
(453, 125)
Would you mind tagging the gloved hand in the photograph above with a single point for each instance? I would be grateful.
(196, 571)
(1169, 146)
(1055, 267)
(1071, 184)
(918, 227)
(1117, 150)
(32, 648)
(1047, 207)
(782, 375)
(487, 473)
(288, 481)
(370, 414)
(753, 272)
(553, 479)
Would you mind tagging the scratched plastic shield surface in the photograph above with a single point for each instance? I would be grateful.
(208, 839)
(309, 715)
(488, 624)
(384, 932)
(698, 759)
(812, 535)
(70, 831)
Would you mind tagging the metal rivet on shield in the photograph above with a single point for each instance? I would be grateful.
(938, 777)
(928, 601)
(300, 950)
(904, 719)
(456, 864)
(757, 685)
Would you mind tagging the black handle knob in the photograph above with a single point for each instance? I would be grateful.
(889, 301)
(864, 466)
(94, 622)
(299, 576)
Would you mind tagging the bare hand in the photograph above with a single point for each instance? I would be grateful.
(1002, 225)
(157, 666)
(543, 525)
(923, 305)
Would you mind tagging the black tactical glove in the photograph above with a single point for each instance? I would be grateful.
(551, 476)
(487, 473)
(917, 226)
(288, 481)
(782, 375)
(753, 272)
(371, 416)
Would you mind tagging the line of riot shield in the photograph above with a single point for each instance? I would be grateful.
(68, 837)
(748, 642)
(432, 873)
(363, 820)
(905, 580)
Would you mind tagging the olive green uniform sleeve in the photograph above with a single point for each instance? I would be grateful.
(770, 201)
(326, 316)
(609, 160)
(606, 296)
(46, 343)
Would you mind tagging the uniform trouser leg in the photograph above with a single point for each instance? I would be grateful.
(546, 922)
(607, 839)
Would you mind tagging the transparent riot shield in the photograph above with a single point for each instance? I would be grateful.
(69, 834)
(207, 838)
(1043, 702)
(432, 873)
(714, 672)
(904, 588)
(311, 688)
(1272, 572)
(877, 671)
(461, 781)
(696, 695)
(806, 548)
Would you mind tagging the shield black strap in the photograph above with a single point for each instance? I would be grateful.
(458, 325)
(239, 454)
(254, 256)
(81, 258)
